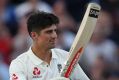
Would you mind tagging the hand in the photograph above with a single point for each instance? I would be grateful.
(60, 78)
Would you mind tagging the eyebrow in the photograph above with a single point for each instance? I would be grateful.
(50, 30)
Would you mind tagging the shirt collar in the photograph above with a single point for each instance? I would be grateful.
(54, 56)
(37, 60)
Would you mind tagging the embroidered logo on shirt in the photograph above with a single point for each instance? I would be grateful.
(14, 77)
(59, 67)
(36, 72)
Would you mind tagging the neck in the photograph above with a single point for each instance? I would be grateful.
(43, 54)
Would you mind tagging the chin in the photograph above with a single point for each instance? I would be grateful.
(52, 46)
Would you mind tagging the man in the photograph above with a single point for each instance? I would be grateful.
(42, 61)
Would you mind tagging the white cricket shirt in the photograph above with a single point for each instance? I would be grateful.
(27, 66)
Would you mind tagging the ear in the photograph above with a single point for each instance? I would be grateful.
(34, 35)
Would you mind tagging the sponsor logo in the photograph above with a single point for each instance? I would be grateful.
(94, 13)
(36, 72)
(14, 77)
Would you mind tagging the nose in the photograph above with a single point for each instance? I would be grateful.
(54, 34)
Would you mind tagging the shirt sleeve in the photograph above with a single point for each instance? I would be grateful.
(16, 71)
(78, 74)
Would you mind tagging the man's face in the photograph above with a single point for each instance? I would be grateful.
(47, 37)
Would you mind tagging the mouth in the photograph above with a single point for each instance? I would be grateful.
(53, 41)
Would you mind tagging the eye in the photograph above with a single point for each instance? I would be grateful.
(56, 30)
(49, 31)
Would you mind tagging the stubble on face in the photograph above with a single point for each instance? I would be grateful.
(48, 37)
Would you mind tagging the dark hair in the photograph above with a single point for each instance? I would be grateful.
(39, 20)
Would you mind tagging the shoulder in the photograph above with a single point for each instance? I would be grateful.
(20, 60)
(19, 64)
(59, 50)
(60, 53)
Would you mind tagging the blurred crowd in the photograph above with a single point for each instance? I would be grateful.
(100, 59)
